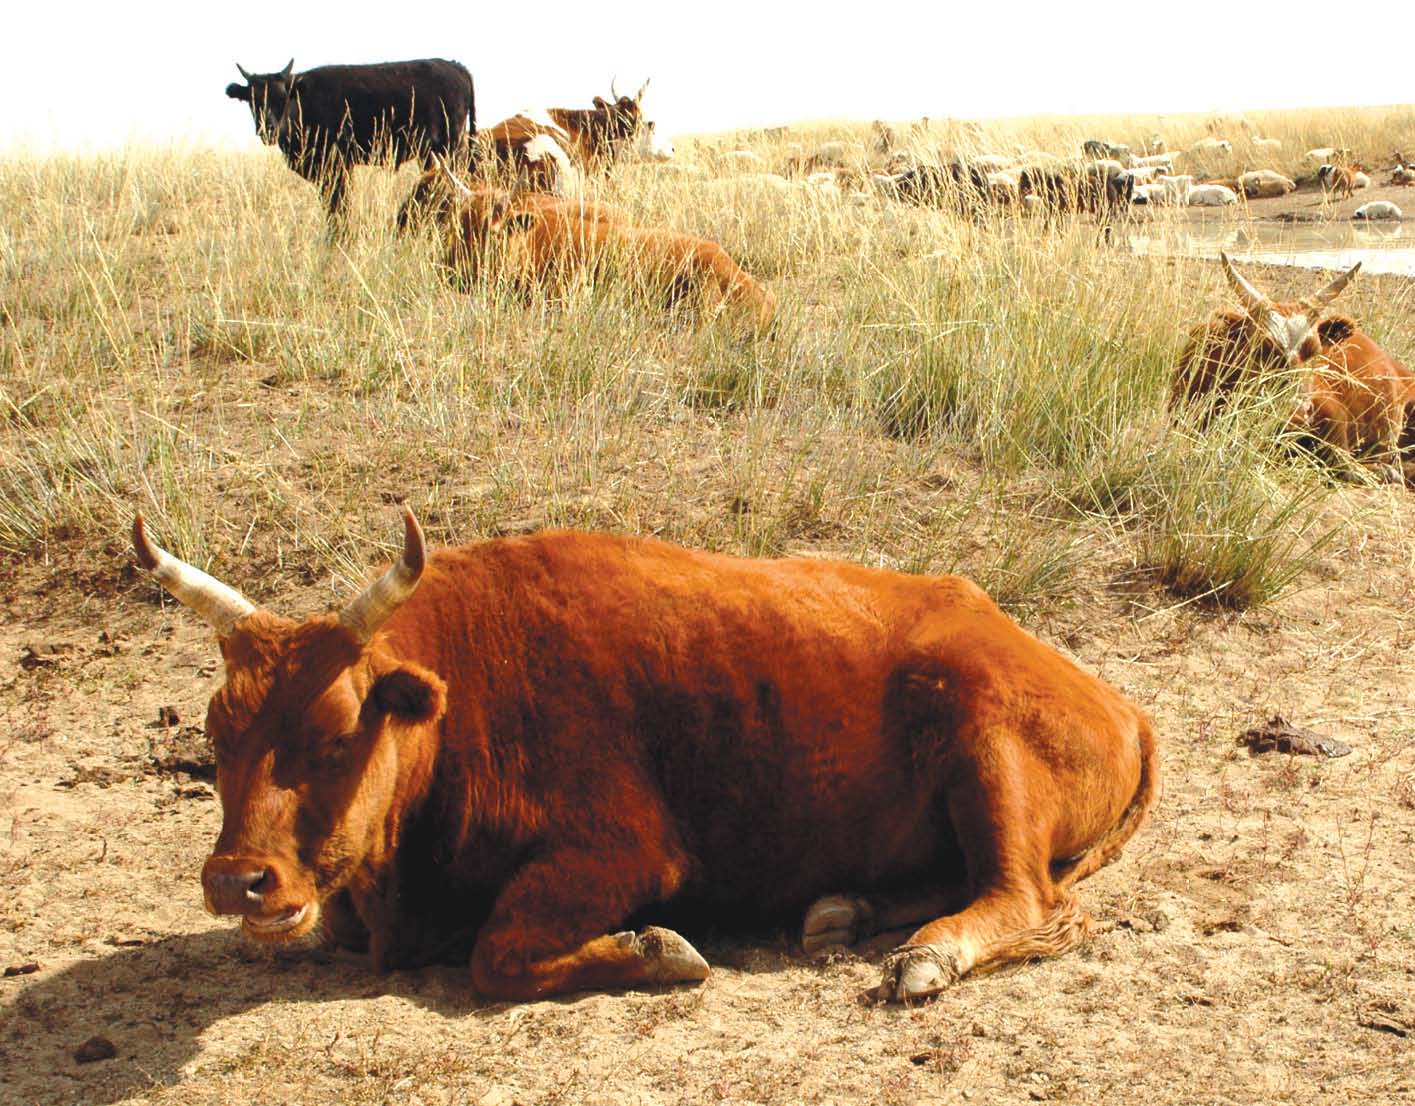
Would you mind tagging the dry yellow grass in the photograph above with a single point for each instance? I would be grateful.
(181, 336)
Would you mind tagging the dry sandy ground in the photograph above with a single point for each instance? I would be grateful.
(1255, 943)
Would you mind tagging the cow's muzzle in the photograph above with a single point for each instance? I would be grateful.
(238, 884)
(271, 908)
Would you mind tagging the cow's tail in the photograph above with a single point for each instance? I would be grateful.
(1111, 842)
(471, 105)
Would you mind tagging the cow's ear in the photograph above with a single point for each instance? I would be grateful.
(411, 693)
(239, 91)
(1335, 329)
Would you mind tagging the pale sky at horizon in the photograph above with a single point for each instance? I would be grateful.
(155, 72)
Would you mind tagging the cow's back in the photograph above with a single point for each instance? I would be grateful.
(430, 100)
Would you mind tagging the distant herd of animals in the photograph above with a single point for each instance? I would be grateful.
(535, 754)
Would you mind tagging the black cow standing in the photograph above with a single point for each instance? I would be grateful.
(327, 119)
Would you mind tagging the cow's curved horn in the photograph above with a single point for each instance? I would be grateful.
(220, 604)
(244, 74)
(1320, 299)
(462, 189)
(1250, 297)
(371, 609)
(613, 95)
(289, 68)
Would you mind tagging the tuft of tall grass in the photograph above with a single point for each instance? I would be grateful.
(1224, 528)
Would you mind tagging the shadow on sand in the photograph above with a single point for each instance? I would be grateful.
(154, 1002)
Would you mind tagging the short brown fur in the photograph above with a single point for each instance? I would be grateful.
(1361, 399)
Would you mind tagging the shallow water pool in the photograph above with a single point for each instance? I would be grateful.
(1380, 247)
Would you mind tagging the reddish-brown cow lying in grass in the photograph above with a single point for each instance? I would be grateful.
(1361, 399)
(542, 240)
(507, 750)
(1354, 395)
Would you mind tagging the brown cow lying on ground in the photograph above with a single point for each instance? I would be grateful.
(545, 240)
(509, 749)
(1354, 395)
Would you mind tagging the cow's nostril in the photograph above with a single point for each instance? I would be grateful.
(236, 887)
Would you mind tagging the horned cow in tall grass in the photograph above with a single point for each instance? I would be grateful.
(1353, 395)
(550, 149)
(1261, 339)
(329, 119)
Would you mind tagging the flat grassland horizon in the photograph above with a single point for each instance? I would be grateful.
(181, 336)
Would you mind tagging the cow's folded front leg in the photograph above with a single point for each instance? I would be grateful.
(651, 956)
(551, 931)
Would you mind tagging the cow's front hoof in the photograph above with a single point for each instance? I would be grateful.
(836, 920)
(668, 958)
(913, 972)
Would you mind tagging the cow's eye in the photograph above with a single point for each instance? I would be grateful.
(332, 747)
(341, 743)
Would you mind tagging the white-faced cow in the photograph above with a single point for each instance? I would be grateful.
(506, 751)
(551, 148)
(327, 119)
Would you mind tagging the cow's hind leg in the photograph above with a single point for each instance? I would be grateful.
(1016, 910)
(1001, 927)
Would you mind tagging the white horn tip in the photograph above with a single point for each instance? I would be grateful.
(414, 547)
